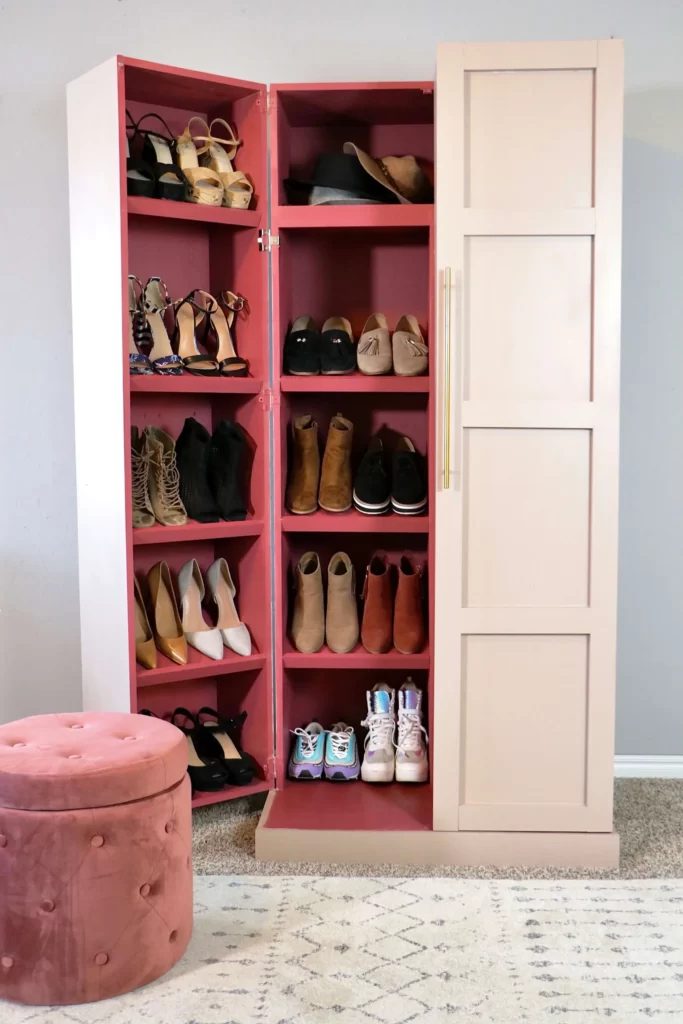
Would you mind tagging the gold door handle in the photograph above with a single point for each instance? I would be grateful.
(447, 378)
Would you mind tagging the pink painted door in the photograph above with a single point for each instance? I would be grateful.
(529, 140)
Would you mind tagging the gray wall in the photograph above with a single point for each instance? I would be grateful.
(43, 44)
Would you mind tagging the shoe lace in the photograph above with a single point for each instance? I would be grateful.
(169, 483)
(309, 741)
(139, 471)
(340, 741)
(410, 728)
(381, 728)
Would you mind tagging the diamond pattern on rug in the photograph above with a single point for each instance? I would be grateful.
(283, 950)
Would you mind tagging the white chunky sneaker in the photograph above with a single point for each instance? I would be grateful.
(411, 750)
(378, 762)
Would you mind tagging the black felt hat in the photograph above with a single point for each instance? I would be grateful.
(342, 172)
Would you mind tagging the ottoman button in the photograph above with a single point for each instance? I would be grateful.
(97, 841)
(7, 961)
(101, 959)
(173, 936)
(169, 826)
(18, 744)
(3, 841)
(76, 726)
(47, 905)
(145, 889)
(74, 757)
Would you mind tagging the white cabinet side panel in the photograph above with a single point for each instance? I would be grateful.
(95, 215)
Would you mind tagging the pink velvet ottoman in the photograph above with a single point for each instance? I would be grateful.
(95, 855)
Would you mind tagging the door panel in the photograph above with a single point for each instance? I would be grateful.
(528, 225)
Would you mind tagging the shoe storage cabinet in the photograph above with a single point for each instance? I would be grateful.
(518, 418)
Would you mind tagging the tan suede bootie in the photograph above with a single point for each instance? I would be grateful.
(304, 471)
(335, 478)
(341, 625)
(308, 619)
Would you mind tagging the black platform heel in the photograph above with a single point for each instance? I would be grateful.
(221, 738)
(157, 151)
(140, 179)
(226, 461)
(207, 774)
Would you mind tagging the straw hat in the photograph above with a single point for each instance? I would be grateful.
(402, 175)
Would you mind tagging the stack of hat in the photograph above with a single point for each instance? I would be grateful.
(354, 177)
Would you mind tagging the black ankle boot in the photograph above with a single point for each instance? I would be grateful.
(192, 454)
(226, 469)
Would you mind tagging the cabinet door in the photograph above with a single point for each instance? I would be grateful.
(529, 140)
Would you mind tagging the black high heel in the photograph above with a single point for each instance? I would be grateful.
(221, 739)
(139, 175)
(157, 152)
(207, 774)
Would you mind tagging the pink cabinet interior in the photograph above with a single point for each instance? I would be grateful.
(348, 262)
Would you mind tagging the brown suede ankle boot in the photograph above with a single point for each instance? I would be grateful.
(335, 478)
(341, 626)
(409, 627)
(304, 471)
(376, 631)
(308, 619)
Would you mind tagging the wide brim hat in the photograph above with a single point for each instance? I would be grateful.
(401, 175)
(345, 173)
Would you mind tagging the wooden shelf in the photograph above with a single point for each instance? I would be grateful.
(356, 382)
(198, 667)
(372, 216)
(229, 793)
(358, 658)
(352, 805)
(140, 206)
(189, 384)
(192, 530)
(354, 522)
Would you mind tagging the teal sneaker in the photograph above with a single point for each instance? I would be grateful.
(308, 751)
(341, 753)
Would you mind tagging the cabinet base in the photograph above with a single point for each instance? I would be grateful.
(458, 849)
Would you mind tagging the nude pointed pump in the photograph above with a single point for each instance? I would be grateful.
(204, 638)
(168, 629)
(145, 651)
(235, 634)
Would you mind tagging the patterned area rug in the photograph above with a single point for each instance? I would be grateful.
(297, 950)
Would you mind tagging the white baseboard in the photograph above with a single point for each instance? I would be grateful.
(644, 766)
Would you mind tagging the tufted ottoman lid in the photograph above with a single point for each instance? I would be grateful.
(87, 759)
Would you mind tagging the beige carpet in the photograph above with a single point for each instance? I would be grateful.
(293, 950)
(648, 817)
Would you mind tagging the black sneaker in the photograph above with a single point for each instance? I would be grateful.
(192, 455)
(337, 347)
(302, 348)
(372, 488)
(225, 470)
(409, 485)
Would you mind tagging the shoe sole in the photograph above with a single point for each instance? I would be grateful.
(302, 512)
(408, 510)
(338, 373)
(303, 373)
(339, 777)
(326, 509)
(305, 776)
(371, 510)
(369, 774)
(406, 773)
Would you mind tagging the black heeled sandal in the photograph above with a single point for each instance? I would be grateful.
(139, 175)
(188, 316)
(221, 738)
(157, 151)
(207, 774)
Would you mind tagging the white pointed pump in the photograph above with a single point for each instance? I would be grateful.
(235, 634)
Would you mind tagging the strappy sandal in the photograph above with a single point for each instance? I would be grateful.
(139, 175)
(238, 190)
(155, 302)
(138, 363)
(157, 151)
(218, 322)
(206, 186)
(189, 314)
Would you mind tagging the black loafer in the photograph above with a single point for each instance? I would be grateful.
(409, 484)
(302, 348)
(372, 487)
(337, 347)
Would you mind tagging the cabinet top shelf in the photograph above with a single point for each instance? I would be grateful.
(141, 206)
(374, 216)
